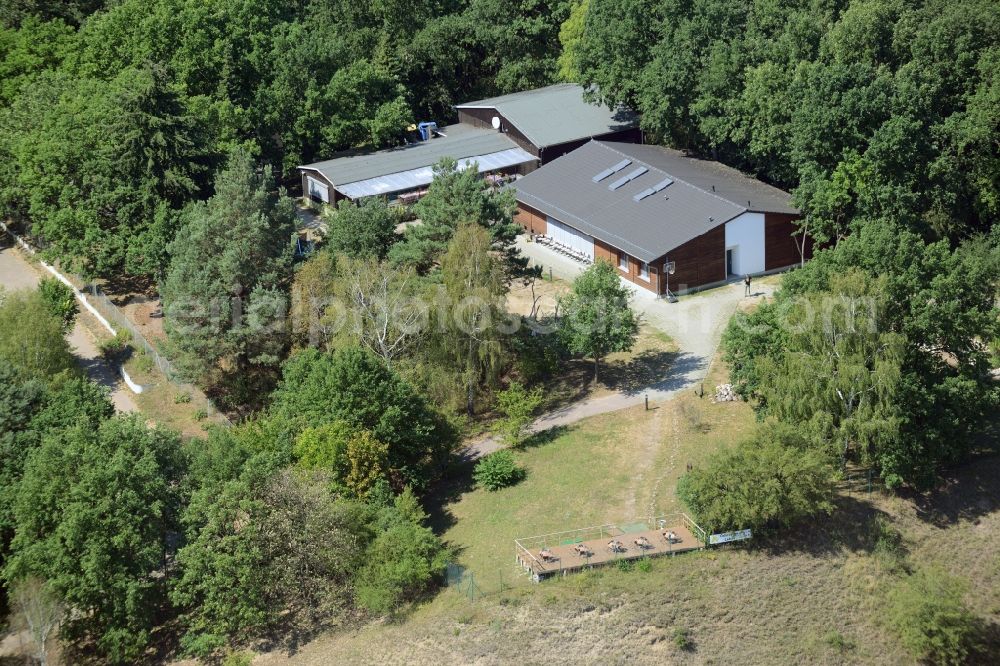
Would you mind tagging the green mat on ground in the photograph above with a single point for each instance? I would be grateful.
(632, 528)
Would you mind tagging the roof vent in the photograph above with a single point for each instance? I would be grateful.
(627, 178)
(615, 169)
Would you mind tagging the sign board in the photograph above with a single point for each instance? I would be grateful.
(726, 537)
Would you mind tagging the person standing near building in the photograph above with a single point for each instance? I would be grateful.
(746, 284)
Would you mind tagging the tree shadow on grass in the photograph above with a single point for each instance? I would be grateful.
(121, 287)
(987, 642)
(643, 370)
(969, 493)
(647, 369)
(851, 526)
(456, 480)
(543, 437)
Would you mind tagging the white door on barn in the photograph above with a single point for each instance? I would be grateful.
(318, 190)
(571, 238)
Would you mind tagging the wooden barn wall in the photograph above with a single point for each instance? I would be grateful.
(780, 247)
(609, 253)
(699, 261)
(484, 117)
(533, 221)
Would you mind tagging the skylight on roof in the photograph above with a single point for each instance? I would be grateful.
(612, 170)
(650, 191)
(627, 178)
(662, 185)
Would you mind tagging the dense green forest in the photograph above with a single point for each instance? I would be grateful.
(113, 117)
(148, 142)
(868, 110)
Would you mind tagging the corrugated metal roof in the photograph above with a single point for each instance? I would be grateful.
(460, 141)
(414, 178)
(652, 226)
(556, 114)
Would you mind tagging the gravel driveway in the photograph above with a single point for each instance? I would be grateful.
(695, 322)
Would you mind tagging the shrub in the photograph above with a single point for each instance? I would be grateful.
(838, 641)
(116, 348)
(497, 470)
(518, 404)
(200, 415)
(681, 638)
(888, 548)
(201, 645)
(404, 559)
(538, 356)
(60, 301)
(182, 398)
(770, 479)
(144, 363)
(927, 611)
(238, 659)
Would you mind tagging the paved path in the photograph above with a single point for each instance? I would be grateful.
(16, 273)
(695, 323)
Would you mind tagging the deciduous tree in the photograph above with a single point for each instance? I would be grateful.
(771, 480)
(469, 326)
(355, 386)
(597, 319)
(93, 513)
(363, 230)
(42, 354)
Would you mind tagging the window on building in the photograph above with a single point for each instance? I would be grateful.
(623, 261)
(644, 270)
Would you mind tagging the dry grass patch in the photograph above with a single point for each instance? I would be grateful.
(816, 595)
(646, 363)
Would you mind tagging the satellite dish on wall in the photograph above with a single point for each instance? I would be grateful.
(495, 122)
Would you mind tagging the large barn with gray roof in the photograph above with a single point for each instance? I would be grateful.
(505, 136)
(649, 210)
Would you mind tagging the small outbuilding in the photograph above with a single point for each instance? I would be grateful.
(552, 121)
(506, 137)
(406, 171)
(670, 222)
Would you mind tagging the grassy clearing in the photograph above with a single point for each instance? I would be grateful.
(165, 403)
(610, 468)
(815, 596)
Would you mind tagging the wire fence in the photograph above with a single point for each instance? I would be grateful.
(863, 482)
(114, 314)
(475, 586)
(102, 305)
